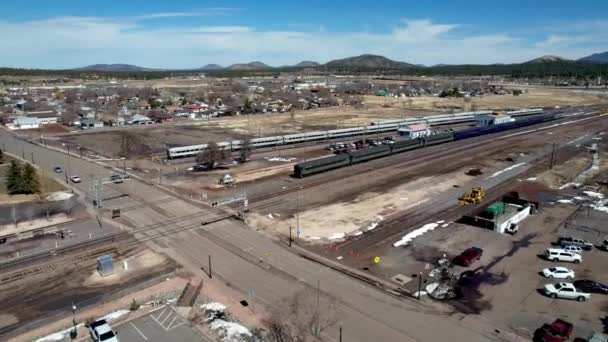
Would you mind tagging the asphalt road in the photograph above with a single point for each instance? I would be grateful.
(247, 260)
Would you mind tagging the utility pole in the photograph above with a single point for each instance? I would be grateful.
(340, 340)
(210, 274)
(124, 165)
(160, 175)
(419, 284)
(552, 157)
(289, 235)
(32, 155)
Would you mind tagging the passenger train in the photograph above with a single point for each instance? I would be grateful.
(374, 128)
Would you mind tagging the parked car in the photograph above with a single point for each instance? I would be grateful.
(558, 331)
(604, 245)
(58, 169)
(573, 249)
(116, 179)
(558, 254)
(591, 286)
(571, 241)
(597, 337)
(469, 256)
(566, 291)
(101, 331)
(558, 273)
(75, 179)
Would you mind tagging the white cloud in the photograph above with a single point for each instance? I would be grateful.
(64, 42)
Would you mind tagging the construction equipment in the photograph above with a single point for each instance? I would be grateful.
(475, 196)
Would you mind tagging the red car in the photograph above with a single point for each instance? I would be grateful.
(469, 256)
(558, 331)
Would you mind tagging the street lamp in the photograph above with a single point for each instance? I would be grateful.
(74, 331)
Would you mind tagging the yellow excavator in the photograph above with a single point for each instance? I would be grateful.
(475, 196)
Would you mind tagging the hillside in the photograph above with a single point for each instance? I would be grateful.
(548, 58)
(114, 68)
(307, 64)
(595, 58)
(248, 66)
(211, 67)
(367, 61)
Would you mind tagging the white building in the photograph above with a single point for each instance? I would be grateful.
(23, 122)
(415, 131)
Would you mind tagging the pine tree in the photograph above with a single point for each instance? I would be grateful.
(29, 179)
(1, 156)
(13, 178)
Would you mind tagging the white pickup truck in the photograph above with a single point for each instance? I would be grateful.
(566, 291)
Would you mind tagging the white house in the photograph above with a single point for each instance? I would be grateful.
(23, 122)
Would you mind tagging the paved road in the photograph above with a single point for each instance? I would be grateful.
(245, 259)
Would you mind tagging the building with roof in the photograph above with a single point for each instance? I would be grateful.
(23, 122)
(90, 123)
(415, 130)
(485, 120)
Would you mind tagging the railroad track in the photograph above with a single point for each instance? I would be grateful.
(390, 229)
(255, 203)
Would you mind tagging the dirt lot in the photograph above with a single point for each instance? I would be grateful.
(536, 97)
(46, 291)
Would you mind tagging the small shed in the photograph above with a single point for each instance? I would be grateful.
(485, 120)
(105, 265)
(415, 131)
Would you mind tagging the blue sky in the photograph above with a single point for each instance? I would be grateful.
(188, 34)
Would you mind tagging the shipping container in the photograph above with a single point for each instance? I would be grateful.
(370, 153)
(496, 209)
(319, 165)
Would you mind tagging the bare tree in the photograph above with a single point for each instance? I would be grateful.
(212, 155)
(131, 145)
(246, 150)
(302, 317)
(69, 114)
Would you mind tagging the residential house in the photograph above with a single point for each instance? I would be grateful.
(90, 123)
(139, 119)
(23, 122)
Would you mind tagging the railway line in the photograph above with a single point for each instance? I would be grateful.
(413, 158)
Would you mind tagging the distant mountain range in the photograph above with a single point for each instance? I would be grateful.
(248, 66)
(548, 59)
(595, 58)
(367, 61)
(211, 67)
(362, 62)
(114, 68)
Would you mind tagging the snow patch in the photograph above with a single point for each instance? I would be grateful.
(531, 179)
(116, 315)
(440, 222)
(498, 173)
(414, 234)
(372, 226)
(214, 306)
(336, 236)
(58, 336)
(578, 198)
(593, 194)
(445, 225)
(420, 294)
(358, 233)
(59, 196)
(567, 185)
(229, 331)
(565, 201)
(314, 238)
(339, 257)
(279, 159)
(270, 216)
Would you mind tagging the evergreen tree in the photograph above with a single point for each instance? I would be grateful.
(14, 180)
(1, 156)
(29, 180)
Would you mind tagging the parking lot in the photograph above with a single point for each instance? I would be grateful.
(507, 287)
(162, 324)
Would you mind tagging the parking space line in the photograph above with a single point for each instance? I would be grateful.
(170, 324)
(166, 318)
(138, 331)
(177, 325)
